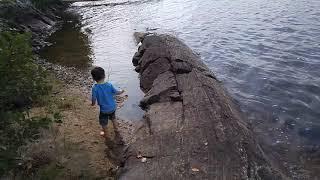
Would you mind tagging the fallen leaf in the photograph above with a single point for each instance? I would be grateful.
(195, 169)
(144, 160)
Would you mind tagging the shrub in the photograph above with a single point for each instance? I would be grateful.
(21, 82)
(16, 129)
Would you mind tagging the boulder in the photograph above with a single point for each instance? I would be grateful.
(191, 129)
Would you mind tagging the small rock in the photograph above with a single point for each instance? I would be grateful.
(143, 159)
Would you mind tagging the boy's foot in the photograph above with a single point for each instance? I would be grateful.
(102, 134)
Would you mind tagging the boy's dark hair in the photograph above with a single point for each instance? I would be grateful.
(98, 73)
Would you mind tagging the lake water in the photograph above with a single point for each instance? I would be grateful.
(267, 53)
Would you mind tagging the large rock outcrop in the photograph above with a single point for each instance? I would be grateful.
(192, 129)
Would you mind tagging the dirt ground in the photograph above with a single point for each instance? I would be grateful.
(73, 148)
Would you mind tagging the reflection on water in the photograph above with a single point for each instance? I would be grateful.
(70, 46)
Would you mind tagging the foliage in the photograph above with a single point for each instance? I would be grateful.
(50, 172)
(21, 82)
(16, 129)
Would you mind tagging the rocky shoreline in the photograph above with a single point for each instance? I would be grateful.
(69, 75)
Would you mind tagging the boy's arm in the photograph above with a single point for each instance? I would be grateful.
(120, 91)
(116, 90)
(93, 98)
(93, 102)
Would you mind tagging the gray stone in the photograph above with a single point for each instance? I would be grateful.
(136, 58)
(151, 72)
(192, 129)
(181, 67)
(163, 89)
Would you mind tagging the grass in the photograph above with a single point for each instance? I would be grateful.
(52, 155)
(49, 158)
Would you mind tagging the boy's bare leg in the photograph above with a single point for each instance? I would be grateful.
(115, 125)
(117, 137)
(105, 131)
(108, 141)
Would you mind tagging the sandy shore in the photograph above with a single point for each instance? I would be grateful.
(74, 144)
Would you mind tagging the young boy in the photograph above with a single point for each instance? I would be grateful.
(103, 93)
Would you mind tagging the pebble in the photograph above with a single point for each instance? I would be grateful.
(70, 75)
(143, 159)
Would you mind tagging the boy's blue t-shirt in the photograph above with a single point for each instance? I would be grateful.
(104, 94)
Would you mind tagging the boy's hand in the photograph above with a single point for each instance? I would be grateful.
(120, 92)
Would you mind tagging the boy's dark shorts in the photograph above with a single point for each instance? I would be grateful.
(104, 117)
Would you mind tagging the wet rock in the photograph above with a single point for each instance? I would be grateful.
(139, 36)
(136, 58)
(186, 107)
(150, 72)
(137, 69)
